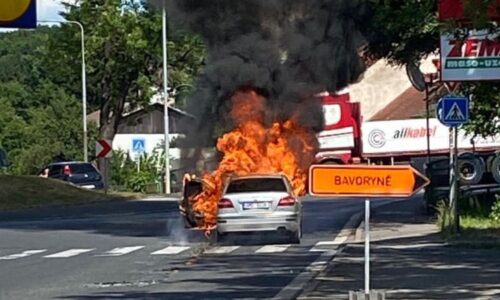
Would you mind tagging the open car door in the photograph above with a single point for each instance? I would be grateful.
(191, 189)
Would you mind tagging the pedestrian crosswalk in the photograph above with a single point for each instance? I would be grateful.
(221, 250)
(68, 253)
(272, 248)
(170, 250)
(22, 254)
(321, 246)
(121, 251)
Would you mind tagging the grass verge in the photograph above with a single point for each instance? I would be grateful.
(478, 226)
(19, 192)
(478, 232)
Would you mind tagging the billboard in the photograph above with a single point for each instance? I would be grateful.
(476, 57)
(17, 13)
(454, 10)
(381, 138)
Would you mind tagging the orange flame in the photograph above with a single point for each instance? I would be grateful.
(283, 147)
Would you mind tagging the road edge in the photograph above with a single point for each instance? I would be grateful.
(300, 284)
(303, 283)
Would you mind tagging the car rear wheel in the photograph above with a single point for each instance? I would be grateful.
(296, 235)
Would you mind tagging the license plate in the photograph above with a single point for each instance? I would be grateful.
(88, 186)
(256, 205)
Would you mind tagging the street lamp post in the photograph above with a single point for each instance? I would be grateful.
(84, 85)
(165, 95)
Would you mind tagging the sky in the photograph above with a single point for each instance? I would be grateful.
(49, 9)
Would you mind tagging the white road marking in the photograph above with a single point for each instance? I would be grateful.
(170, 250)
(121, 251)
(68, 253)
(324, 246)
(414, 246)
(222, 250)
(22, 254)
(272, 249)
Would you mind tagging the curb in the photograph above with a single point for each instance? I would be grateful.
(350, 229)
(301, 284)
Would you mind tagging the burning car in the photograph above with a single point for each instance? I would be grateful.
(260, 203)
(250, 203)
(282, 151)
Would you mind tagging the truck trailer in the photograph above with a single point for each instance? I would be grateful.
(347, 139)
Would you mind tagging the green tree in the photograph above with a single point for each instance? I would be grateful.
(39, 119)
(123, 49)
(407, 31)
(40, 81)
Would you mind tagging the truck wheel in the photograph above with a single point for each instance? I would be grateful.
(495, 168)
(470, 169)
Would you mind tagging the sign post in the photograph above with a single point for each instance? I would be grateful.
(452, 112)
(367, 182)
(367, 248)
(138, 147)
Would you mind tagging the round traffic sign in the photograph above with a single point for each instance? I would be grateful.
(10, 10)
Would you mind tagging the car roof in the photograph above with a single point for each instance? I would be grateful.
(253, 176)
(69, 163)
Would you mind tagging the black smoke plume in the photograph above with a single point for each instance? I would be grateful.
(289, 50)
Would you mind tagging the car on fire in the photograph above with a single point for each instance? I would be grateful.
(252, 203)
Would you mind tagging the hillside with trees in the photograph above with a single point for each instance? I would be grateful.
(40, 78)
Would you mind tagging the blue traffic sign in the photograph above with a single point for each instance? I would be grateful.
(139, 145)
(18, 13)
(453, 111)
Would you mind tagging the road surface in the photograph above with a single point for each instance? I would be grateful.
(139, 250)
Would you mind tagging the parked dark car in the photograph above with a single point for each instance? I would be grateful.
(82, 174)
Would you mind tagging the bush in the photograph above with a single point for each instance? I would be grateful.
(136, 176)
(477, 205)
(122, 170)
(139, 181)
(495, 211)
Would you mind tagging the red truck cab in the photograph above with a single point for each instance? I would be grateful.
(340, 140)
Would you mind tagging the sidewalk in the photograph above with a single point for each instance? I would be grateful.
(409, 260)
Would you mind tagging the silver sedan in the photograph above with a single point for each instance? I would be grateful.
(260, 203)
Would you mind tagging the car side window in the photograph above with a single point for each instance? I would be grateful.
(55, 170)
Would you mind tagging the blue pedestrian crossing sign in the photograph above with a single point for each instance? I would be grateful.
(139, 145)
(453, 111)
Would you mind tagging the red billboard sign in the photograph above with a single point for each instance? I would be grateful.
(454, 10)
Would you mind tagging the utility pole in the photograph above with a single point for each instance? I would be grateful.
(454, 188)
(165, 95)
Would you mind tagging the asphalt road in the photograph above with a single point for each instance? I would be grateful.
(140, 250)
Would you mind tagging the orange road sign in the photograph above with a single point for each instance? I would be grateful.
(365, 181)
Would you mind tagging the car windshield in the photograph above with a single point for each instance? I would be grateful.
(249, 185)
(82, 168)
